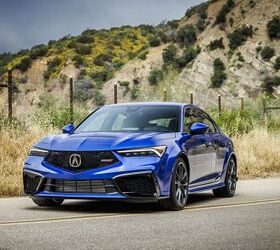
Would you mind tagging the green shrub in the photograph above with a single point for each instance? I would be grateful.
(155, 76)
(72, 44)
(221, 17)
(219, 76)
(267, 52)
(38, 51)
(186, 35)
(169, 54)
(143, 55)
(78, 61)
(277, 63)
(101, 59)
(216, 44)
(189, 54)
(154, 41)
(24, 64)
(239, 36)
(124, 83)
(134, 93)
(99, 98)
(52, 65)
(102, 76)
(173, 24)
(85, 39)
(269, 83)
(200, 24)
(235, 122)
(273, 28)
(83, 50)
(258, 49)
(83, 90)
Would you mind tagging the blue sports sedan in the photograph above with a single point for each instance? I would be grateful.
(141, 152)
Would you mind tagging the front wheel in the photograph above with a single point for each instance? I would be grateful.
(230, 182)
(43, 202)
(179, 188)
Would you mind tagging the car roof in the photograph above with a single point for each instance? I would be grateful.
(151, 104)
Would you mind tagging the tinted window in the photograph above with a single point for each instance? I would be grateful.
(132, 118)
(192, 116)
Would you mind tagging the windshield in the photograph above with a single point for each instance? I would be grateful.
(132, 118)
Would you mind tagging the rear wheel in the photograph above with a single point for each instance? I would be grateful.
(230, 182)
(179, 188)
(43, 202)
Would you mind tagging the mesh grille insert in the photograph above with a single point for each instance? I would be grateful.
(137, 185)
(89, 159)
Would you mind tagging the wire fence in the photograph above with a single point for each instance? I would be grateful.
(10, 86)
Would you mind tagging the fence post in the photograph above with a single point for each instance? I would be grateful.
(10, 95)
(71, 101)
(219, 105)
(264, 108)
(191, 97)
(165, 95)
(242, 103)
(115, 93)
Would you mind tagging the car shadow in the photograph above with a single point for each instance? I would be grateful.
(98, 207)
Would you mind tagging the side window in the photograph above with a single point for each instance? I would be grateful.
(212, 128)
(190, 117)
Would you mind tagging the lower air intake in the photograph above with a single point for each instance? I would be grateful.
(79, 186)
(31, 183)
(137, 185)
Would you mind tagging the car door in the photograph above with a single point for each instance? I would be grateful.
(197, 147)
(217, 147)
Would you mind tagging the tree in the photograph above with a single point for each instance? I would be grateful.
(273, 28)
(267, 52)
(155, 76)
(154, 41)
(219, 76)
(24, 64)
(186, 35)
(169, 54)
(277, 63)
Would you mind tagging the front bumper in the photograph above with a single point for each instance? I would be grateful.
(140, 182)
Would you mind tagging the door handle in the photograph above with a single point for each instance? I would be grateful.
(208, 143)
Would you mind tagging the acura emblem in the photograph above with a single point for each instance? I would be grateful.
(75, 161)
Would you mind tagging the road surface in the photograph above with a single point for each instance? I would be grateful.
(250, 220)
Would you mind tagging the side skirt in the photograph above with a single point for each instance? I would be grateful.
(206, 187)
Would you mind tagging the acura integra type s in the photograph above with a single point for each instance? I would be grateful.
(141, 152)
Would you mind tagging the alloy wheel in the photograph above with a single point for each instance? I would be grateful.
(181, 184)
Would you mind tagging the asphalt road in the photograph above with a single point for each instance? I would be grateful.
(250, 220)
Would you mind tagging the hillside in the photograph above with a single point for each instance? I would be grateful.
(222, 47)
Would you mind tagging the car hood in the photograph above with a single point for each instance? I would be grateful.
(103, 141)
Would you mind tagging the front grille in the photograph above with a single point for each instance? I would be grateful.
(89, 159)
(137, 185)
(80, 186)
(31, 182)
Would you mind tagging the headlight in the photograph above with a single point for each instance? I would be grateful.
(153, 151)
(38, 152)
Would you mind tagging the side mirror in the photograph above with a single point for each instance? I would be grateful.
(198, 128)
(68, 129)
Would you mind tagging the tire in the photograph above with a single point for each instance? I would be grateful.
(230, 182)
(43, 202)
(178, 189)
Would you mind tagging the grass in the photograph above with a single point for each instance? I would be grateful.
(14, 148)
(258, 153)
